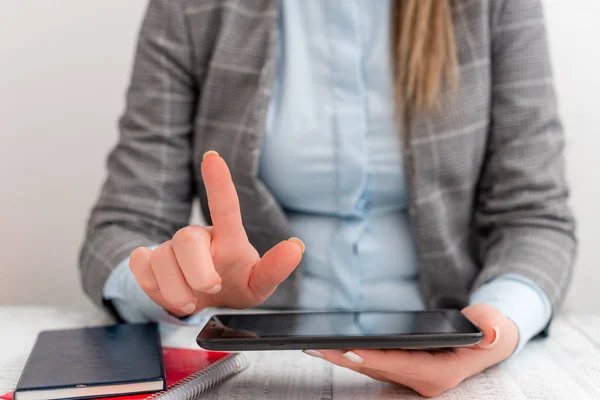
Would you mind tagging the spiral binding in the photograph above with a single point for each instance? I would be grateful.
(204, 380)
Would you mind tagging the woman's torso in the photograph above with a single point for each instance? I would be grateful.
(443, 153)
(332, 156)
(483, 173)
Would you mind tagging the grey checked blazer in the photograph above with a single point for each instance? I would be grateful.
(487, 193)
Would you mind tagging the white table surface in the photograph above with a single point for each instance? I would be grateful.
(565, 366)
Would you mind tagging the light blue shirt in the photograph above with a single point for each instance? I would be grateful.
(332, 157)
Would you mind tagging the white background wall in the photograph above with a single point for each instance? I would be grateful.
(64, 66)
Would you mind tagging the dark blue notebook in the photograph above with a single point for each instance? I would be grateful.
(93, 362)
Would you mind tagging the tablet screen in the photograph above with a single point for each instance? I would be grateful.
(324, 324)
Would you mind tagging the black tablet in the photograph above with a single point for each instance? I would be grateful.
(338, 330)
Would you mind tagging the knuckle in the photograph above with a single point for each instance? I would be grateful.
(149, 286)
(188, 235)
(146, 281)
(208, 280)
(184, 235)
(162, 250)
(177, 301)
(199, 286)
(162, 256)
(137, 253)
(139, 258)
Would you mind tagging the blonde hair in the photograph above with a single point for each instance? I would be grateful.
(424, 54)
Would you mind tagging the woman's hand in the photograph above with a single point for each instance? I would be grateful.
(432, 373)
(216, 265)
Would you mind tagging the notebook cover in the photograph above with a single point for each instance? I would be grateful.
(108, 355)
(179, 364)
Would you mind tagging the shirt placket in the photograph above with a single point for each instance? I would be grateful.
(350, 130)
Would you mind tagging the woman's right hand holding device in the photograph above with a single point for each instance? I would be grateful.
(213, 266)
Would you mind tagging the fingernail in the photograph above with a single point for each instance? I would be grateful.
(497, 333)
(216, 289)
(209, 153)
(188, 309)
(352, 356)
(298, 242)
(313, 353)
(496, 337)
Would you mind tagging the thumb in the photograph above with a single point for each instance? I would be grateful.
(275, 266)
(488, 320)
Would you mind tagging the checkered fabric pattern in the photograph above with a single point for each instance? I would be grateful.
(487, 193)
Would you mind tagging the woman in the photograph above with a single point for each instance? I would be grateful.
(413, 145)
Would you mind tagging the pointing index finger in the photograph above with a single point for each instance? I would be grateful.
(223, 200)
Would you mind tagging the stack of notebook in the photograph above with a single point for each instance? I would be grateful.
(119, 360)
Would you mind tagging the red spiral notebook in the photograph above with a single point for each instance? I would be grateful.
(190, 372)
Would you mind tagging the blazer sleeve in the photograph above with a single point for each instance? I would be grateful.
(148, 193)
(521, 211)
